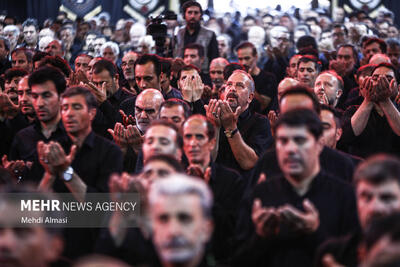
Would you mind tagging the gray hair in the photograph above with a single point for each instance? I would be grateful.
(114, 47)
(181, 184)
(12, 28)
(252, 86)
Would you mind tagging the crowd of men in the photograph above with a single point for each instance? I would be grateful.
(268, 140)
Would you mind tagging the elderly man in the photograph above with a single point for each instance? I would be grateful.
(242, 136)
(217, 66)
(299, 206)
(195, 33)
(128, 69)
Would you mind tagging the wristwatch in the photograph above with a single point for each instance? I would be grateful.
(67, 175)
(230, 134)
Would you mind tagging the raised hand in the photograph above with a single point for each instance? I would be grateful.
(99, 93)
(187, 90)
(266, 220)
(228, 117)
(118, 135)
(198, 87)
(126, 120)
(213, 112)
(57, 158)
(8, 109)
(133, 137)
(306, 222)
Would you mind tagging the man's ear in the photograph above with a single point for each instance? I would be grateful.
(339, 132)
(92, 113)
(212, 143)
(208, 228)
(116, 78)
(339, 93)
(251, 96)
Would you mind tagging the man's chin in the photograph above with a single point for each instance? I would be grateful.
(178, 255)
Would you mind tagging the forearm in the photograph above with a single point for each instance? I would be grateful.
(117, 228)
(392, 115)
(47, 182)
(244, 154)
(264, 100)
(77, 187)
(360, 118)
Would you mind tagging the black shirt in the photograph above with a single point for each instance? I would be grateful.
(24, 147)
(336, 205)
(212, 50)
(173, 93)
(266, 84)
(256, 133)
(377, 137)
(8, 129)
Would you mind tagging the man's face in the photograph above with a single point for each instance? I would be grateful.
(394, 54)
(327, 86)
(279, 38)
(46, 32)
(174, 114)
(25, 97)
(146, 110)
(11, 37)
(180, 229)
(76, 116)
(193, 16)
(247, 24)
(338, 36)
(156, 169)
(307, 73)
(371, 49)
(237, 91)
(159, 139)
(89, 72)
(383, 71)
(128, 66)
(54, 48)
(97, 45)
(393, 32)
(24, 247)
(146, 77)
(186, 74)
(191, 56)
(377, 200)
(196, 143)
(293, 101)
(30, 34)
(90, 42)
(297, 151)
(217, 74)
(246, 58)
(82, 63)
(292, 70)
(19, 60)
(3, 51)
(105, 77)
(11, 88)
(267, 22)
(46, 101)
(223, 47)
(346, 58)
(331, 133)
(108, 54)
(67, 36)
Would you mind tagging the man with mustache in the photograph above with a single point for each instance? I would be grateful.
(195, 33)
(128, 69)
(180, 212)
(308, 69)
(217, 66)
(242, 136)
(299, 207)
(378, 195)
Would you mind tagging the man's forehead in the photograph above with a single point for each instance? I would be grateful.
(237, 76)
(285, 130)
(173, 110)
(46, 86)
(384, 70)
(195, 125)
(129, 56)
(190, 51)
(193, 8)
(147, 68)
(308, 64)
(160, 131)
(325, 77)
(345, 51)
(188, 72)
(387, 185)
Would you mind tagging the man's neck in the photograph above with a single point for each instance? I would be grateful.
(78, 139)
(301, 186)
(49, 127)
(254, 71)
(192, 263)
(192, 30)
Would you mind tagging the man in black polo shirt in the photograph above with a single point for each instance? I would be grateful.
(46, 85)
(242, 136)
(293, 213)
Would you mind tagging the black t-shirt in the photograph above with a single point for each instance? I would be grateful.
(265, 83)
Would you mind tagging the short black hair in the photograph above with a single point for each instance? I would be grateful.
(371, 40)
(104, 64)
(336, 114)
(146, 58)
(389, 66)
(310, 58)
(365, 70)
(165, 66)
(304, 90)
(306, 41)
(90, 99)
(191, 3)
(27, 52)
(57, 62)
(187, 68)
(48, 73)
(299, 118)
(168, 159)
(211, 131)
(14, 72)
(230, 68)
(172, 102)
(378, 169)
(30, 22)
(353, 48)
(198, 47)
(244, 45)
(39, 55)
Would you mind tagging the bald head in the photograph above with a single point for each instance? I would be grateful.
(147, 107)
(379, 58)
(217, 67)
(285, 84)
